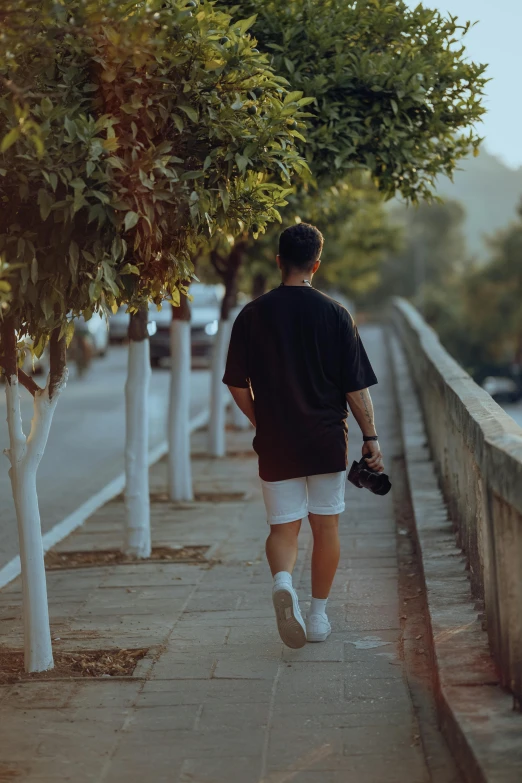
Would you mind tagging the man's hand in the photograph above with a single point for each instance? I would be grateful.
(372, 449)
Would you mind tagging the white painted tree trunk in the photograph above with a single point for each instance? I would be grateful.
(25, 455)
(218, 392)
(179, 465)
(137, 501)
(239, 420)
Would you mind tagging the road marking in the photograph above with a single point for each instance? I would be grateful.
(64, 528)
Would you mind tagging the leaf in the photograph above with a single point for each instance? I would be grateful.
(225, 196)
(9, 139)
(116, 163)
(131, 218)
(129, 269)
(111, 144)
(289, 64)
(78, 182)
(192, 175)
(46, 306)
(46, 106)
(45, 202)
(74, 255)
(69, 333)
(242, 162)
(178, 122)
(38, 144)
(108, 75)
(394, 106)
(189, 110)
(103, 197)
(292, 97)
(245, 24)
(175, 298)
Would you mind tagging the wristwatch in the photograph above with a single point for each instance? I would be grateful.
(366, 438)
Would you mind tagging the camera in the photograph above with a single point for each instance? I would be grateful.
(363, 476)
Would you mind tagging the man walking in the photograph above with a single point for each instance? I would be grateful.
(295, 360)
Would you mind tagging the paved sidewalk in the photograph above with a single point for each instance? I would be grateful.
(219, 699)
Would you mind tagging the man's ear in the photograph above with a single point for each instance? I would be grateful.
(316, 266)
(278, 262)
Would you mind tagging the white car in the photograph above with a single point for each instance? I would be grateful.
(98, 329)
(119, 325)
(205, 311)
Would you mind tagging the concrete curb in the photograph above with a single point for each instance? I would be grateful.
(64, 528)
(475, 713)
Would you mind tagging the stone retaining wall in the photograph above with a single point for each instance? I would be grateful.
(477, 449)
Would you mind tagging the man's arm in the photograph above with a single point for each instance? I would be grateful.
(361, 406)
(245, 402)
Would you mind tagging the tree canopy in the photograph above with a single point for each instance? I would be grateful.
(156, 122)
(393, 91)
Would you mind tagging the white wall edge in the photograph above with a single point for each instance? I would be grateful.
(64, 528)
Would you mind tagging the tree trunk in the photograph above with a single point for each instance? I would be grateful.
(137, 539)
(229, 271)
(239, 420)
(179, 465)
(258, 285)
(25, 455)
(218, 393)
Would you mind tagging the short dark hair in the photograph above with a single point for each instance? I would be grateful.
(300, 246)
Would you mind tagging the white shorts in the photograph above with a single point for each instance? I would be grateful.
(293, 499)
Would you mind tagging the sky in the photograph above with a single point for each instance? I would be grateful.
(497, 40)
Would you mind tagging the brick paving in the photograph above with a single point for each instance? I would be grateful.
(219, 699)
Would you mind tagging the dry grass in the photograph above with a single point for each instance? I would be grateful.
(88, 663)
(163, 554)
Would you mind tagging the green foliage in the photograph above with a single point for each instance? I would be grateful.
(375, 86)
(358, 235)
(146, 144)
(434, 252)
(388, 87)
(491, 297)
(475, 308)
(5, 285)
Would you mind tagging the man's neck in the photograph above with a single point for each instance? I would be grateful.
(303, 279)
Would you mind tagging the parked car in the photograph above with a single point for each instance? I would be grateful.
(98, 329)
(119, 325)
(205, 309)
(501, 388)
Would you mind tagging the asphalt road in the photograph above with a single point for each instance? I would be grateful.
(85, 448)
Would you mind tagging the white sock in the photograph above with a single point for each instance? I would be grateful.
(283, 576)
(318, 606)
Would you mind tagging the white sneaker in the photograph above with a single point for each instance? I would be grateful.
(318, 628)
(290, 623)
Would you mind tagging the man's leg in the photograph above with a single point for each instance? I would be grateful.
(286, 506)
(325, 554)
(326, 502)
(281, 553)
(281, 547)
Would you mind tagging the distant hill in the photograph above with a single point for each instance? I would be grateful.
(490, 192)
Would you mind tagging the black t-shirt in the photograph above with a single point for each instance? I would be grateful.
(301, 353)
